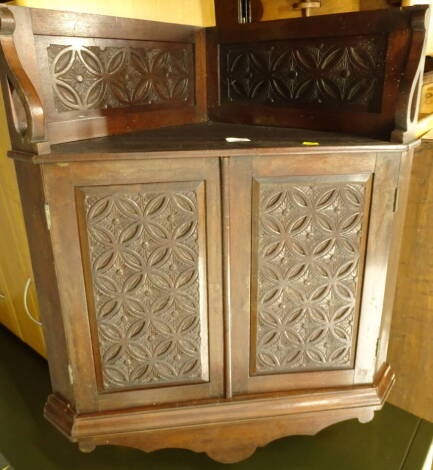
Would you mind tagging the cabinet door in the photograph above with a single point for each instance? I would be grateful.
(309, 240)
(138, 258)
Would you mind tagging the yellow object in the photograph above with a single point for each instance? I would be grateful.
(310, 143)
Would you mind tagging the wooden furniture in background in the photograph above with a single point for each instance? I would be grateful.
(410, 340)
(307, 6)
(200, 292)
(191, 12)
(265, 10)
(294, 78)
(412, 328)
(429, 46)
(15, 266)
(284, 9)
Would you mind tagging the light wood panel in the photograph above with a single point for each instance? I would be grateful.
(7, 312)
(8, 315)
(276, 9)
(408, 3)
(14, 255)
(194, 12)
(279, 9)
(411, 340)
(373, 4)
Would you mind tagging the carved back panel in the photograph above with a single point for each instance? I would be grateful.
(325, 73)
(79, 76)
(307, 271)
(96, 79)
(355, 73)
(94, 75)
(148, 314)
(70, 76)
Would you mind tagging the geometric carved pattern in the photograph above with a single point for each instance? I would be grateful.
(308, 244)
(315, 72)
(144, 258)
(98, 77)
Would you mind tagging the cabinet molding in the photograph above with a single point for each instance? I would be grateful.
(246, 425)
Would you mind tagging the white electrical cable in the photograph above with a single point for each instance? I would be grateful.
(26, 306)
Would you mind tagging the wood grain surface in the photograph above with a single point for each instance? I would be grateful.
(149, 227)
(411, 338)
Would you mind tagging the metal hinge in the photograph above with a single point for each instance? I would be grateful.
(47, 215)
(377, 347)
(71, 374)
(395, 203)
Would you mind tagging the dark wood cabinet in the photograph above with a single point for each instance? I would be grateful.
(212, 285)
(138, 258)
(304, 250)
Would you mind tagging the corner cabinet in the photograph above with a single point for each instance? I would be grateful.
(205, 281)
(238, 288)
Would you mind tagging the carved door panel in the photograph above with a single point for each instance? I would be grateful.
(305, 285)
(137, 247)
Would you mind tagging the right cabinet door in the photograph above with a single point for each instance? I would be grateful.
(309, 243)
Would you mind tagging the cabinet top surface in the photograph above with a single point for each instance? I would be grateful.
(209, 139)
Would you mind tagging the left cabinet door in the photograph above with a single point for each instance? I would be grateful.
(137, 248)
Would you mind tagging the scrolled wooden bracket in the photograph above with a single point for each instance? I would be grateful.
(408, 104)
(25, 110)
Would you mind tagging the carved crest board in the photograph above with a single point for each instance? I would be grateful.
(114, 76)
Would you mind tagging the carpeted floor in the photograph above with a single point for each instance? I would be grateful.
(394, 440)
